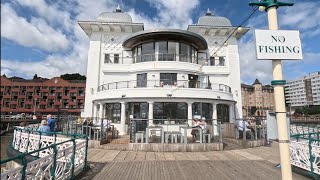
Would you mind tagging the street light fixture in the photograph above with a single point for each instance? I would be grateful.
(270, 7)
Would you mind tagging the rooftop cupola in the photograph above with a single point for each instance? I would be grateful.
(116, 16)
(211, 20)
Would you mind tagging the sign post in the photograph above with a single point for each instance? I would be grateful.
(271, 7)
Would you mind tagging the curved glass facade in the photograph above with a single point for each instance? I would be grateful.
(164, 51)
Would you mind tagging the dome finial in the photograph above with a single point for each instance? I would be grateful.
(118, 9)
(208, 12)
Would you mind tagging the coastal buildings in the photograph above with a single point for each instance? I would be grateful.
(41, 96)
(257, 99)
(304, 91)
(162, 73)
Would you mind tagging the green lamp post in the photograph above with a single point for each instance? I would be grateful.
(270, 6)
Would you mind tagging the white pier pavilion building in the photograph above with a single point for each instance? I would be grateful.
(161, 73)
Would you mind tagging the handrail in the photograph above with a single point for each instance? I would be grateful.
(163, 83)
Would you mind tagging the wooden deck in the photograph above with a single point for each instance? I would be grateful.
(254, 163)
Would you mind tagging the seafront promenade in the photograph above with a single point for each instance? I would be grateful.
(241, 164)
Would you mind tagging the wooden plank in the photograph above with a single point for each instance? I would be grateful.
(121, 156)
(92, 152)
(169, 156)
(180, 156)
(97, 156)
(105, 171)
(159, 156)
(260, 167)
(191, 156)
(109, 156)
(150, 156)
(141, 156)
(247, 155)
(131, 156)
(200, 156)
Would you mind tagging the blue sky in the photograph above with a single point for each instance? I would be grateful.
(42, 36)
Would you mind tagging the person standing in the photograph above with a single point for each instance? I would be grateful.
(44, 128)
(51, 122)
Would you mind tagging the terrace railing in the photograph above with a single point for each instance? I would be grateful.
(57, 157)
(162, 83)
(213, 127)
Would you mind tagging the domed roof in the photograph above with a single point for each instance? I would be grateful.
(114, 17)
(211, 20)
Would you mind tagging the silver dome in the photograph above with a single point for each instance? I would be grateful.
(115, 17)
(211, 20)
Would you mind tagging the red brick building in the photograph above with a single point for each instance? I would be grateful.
(41, 95)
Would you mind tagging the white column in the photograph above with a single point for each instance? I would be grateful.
(95, 110)
(190, 113)
(215, 119)
(150, 115)
(231, 113)
(100, 110)
(122, 130)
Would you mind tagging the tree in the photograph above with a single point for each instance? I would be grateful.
(75, 76)
(35, 76)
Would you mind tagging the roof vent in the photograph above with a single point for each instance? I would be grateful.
(118, 9)
(208, 12)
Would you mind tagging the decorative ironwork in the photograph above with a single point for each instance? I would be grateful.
(59, 157)
(305, 149)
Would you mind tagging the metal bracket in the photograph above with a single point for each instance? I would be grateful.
(278, 82)
(281, 112)
(282, 141)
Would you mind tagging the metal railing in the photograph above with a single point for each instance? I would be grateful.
(213, 127)
(305, 152)
(303, 129)
(95, 128)
(254, 131)
(164, 57)
(59, 157)
(163, 83)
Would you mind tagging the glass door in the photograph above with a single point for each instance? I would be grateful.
(142, 80)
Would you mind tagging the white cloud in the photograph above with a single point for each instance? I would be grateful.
(303, 16)
(59, 63)
(174, 13)
(50, 13)
(36, 33)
